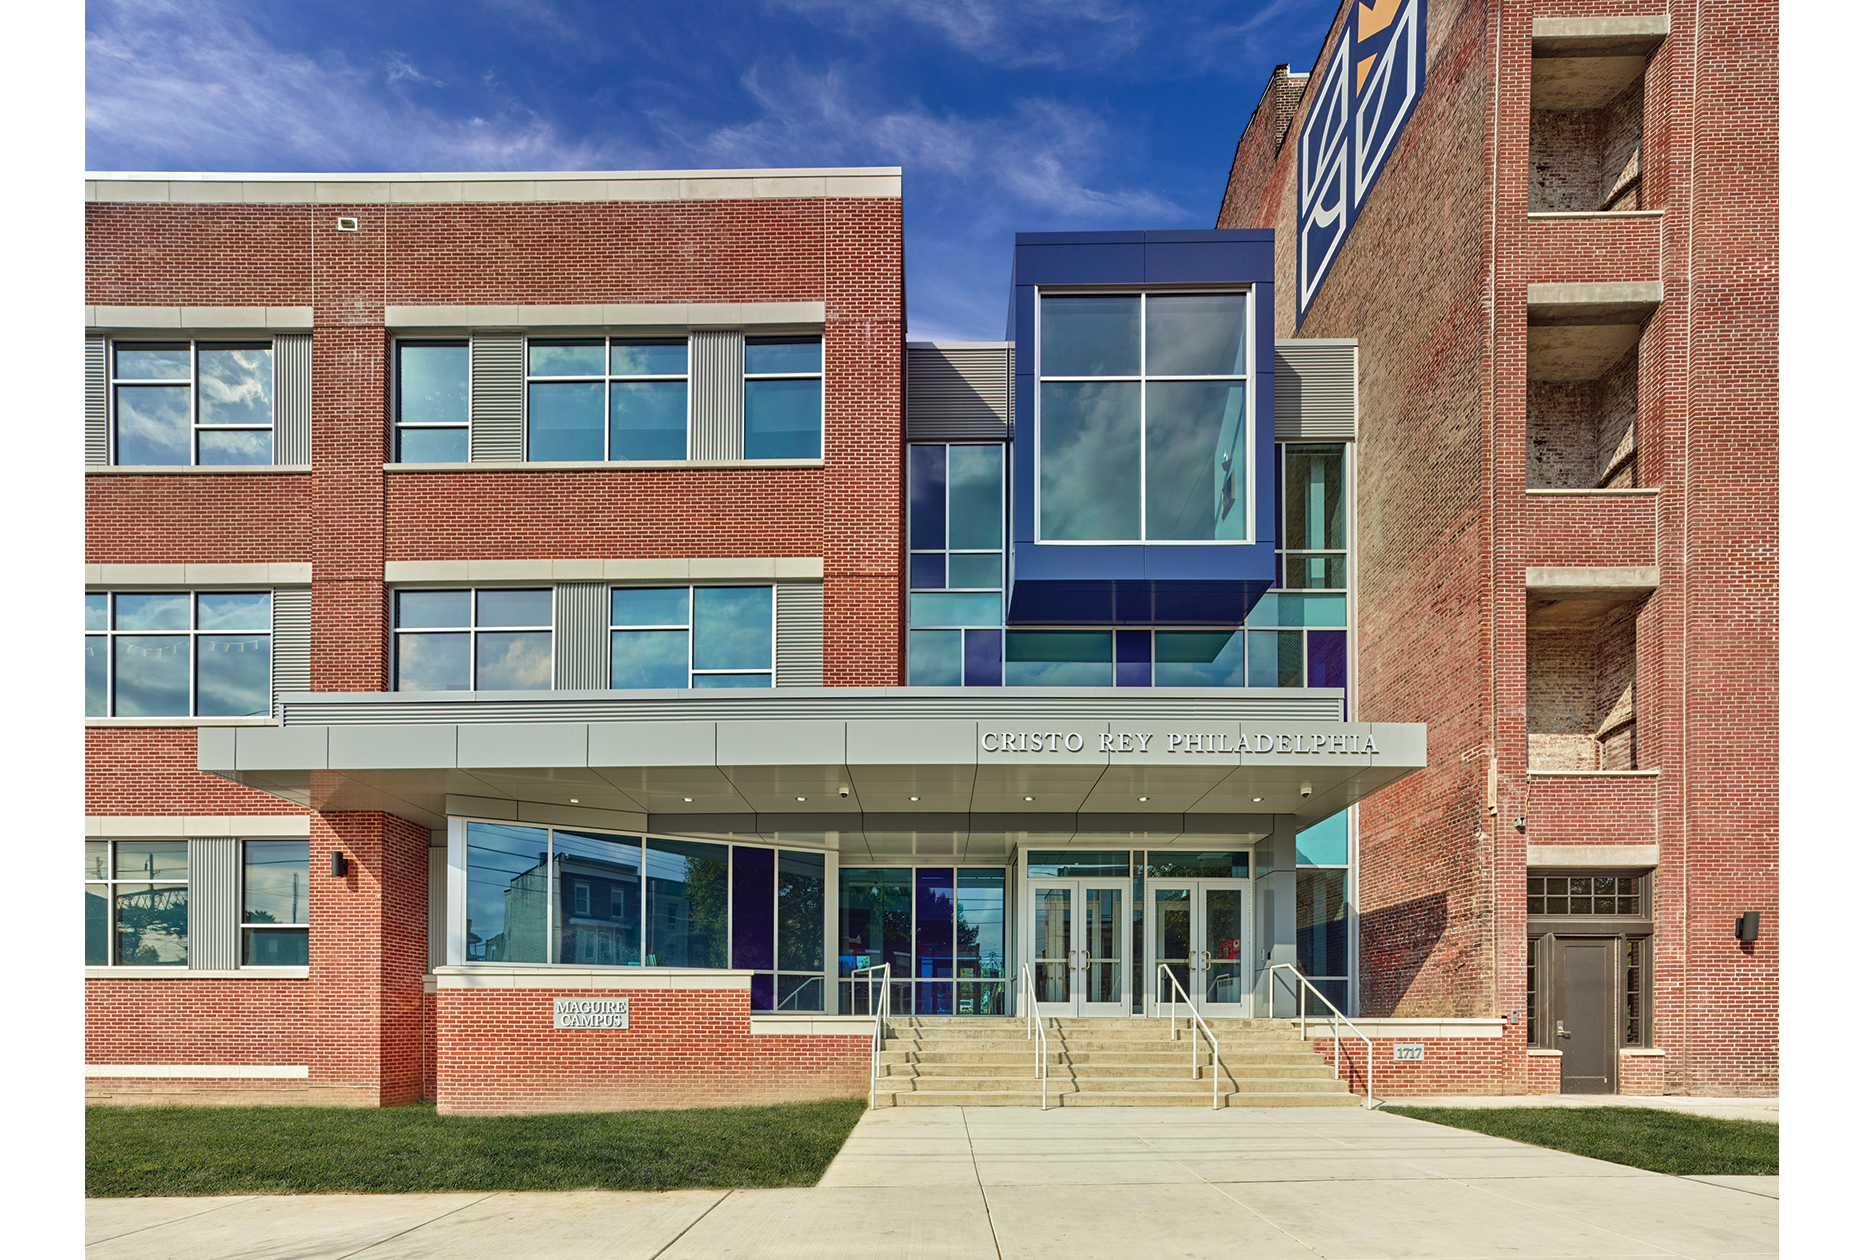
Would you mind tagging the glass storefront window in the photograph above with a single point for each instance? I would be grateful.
(941, 928)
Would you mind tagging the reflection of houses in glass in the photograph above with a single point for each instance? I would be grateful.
(152, 926)
(598, 910)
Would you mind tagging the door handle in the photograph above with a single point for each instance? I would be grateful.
(1559, 1028)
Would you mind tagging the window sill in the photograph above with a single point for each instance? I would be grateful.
(559, 976)
(180, 721)
(1592, 774)
(1636, 1052)
(1595, 214)
(179, 470)
(1535, 1052)
(1627, 492)
(183, 973)
(618, 465)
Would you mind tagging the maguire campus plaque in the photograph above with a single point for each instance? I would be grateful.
(590, 1013)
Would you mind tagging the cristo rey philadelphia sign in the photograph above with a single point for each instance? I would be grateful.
(1354, 743)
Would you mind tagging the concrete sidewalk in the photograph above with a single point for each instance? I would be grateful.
(1765, 1110)
(1125, 1182)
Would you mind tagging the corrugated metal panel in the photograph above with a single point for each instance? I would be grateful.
(1317, 390)
(96, 400)
(717, 395)
(799, 634)
(1010, 371)
(213, 903)
(581, 639)
(291, 439)
(497, 397)
(957, 395)
(1233, 706)
(291, 641)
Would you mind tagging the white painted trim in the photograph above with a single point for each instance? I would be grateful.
(630, 316)
(812, 1026)
(1595, 214)
(756, 568)
(143, 319)
(181, 721)
(244, 826)
(1593, 774)
(1628, 1052)
(170, 470)
(1624, 492)
(610, 465)
(546, 976)
(278, 573)
(1535, 1052)
(183, 973)
(1592, 855)
(193, 1071)
(1453, 1029)
(414, 188)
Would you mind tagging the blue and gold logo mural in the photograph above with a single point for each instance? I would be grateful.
(1365, 97)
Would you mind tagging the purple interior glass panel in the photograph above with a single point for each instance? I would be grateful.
(983, 658)
(932, 999)
(932, 912)
(928, 573)
(763, 992)
(753, 908)
(928, 497)
(1326, 658)
(1132, 658)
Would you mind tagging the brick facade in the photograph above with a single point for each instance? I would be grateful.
(1432, 282)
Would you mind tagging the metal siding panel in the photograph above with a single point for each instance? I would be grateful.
(291, 641)
(717, 393)
(497, 397)
(581, 639)
(1316, 392)
(957, 395)
(799, 635)
(96, 401)
(213, 903)
(291, 438)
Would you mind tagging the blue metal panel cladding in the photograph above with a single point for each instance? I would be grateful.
(1149, 583)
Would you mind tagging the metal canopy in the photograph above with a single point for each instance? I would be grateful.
(874, 771)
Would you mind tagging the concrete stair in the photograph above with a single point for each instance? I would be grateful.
(978, 1061)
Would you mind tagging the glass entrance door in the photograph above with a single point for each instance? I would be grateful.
(1199, 932)
(1077, 953)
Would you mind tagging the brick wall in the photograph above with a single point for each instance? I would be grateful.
(497, 1054)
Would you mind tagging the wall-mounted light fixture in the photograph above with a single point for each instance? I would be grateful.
(339, 865)
(1520, 823)
(1747, 929)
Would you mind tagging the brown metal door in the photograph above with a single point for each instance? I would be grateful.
(1585, 1008)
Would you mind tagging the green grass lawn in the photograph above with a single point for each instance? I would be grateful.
(1644, 1137)
(137, 1151)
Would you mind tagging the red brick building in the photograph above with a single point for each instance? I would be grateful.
(1563, 285)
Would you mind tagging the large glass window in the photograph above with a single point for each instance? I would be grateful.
(178, 654)
(783, 397)
(1313, 543)
(275, 903)
(606, 398)
(956, 574)
(188, 402)
(489, 639)
(941, 929)
(1144, 418)
(136, 903)
(1322, 915)
(433, 401)
(586, 898)
(691, 636)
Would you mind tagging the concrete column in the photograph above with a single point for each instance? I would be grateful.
(1275, 911)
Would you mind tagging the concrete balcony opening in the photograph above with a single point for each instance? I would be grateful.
(1582, 667)
(1586, 130)
(1582, 383)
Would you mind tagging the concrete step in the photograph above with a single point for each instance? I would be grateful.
(1010, 1049)
(1177, 1071)
(1068, 1098)
(1111, 1084)
(1013, 1059)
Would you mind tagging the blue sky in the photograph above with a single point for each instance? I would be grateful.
(1032, 116)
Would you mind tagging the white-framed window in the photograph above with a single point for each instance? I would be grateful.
(783, 397)
(433, 401)
(275, 903)
(692, 636)
(136, 903)
(474, 639)
(177, 653)
(191, 402)
(1143, 417)
(582, 900)
(606, 398)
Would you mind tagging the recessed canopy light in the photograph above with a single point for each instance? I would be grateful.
(802, 798)
(687, 799)
(575, 800)
(1029, 798)
(1256, 799)
(912, 798)
(1145, 798)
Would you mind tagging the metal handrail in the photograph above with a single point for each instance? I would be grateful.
(882, 1018)
(1032, 1027)
(1198, 1020)
(1335, 1020)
